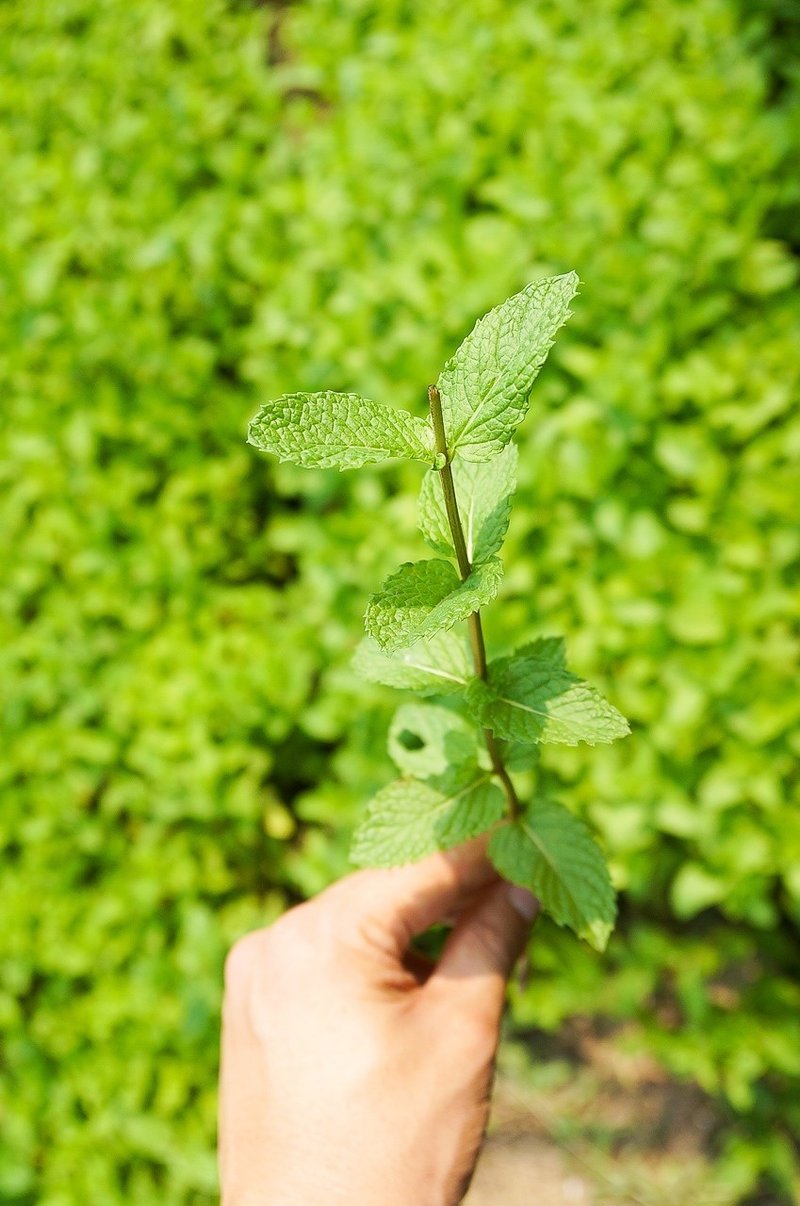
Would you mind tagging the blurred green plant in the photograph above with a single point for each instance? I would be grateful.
(206, 204)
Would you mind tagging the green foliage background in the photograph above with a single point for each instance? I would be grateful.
(206, 205)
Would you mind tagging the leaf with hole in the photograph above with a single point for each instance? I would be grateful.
(424, 739)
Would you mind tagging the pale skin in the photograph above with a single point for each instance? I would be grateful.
(353, 1071)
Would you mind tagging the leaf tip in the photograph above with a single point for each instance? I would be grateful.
(597, 934)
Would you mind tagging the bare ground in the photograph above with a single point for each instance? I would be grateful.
(608, 1131)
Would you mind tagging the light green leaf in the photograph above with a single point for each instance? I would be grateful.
(437, 666)
(426, 739)
(423, 597)
(484, 387)
(552, 853)
(408, 819)
(484, 492)
(532, 697)
(328, 429)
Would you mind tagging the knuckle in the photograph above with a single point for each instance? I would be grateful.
(257, 968)
(272, 946)
(285, 941)
(292, 946)
(239, 962)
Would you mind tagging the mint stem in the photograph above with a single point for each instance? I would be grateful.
(465, 569)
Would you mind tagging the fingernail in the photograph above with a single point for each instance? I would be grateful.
(523, 901)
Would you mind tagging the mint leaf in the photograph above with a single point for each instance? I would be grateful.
(427, 739)
(552, 648)
(532, 697)
(408, 819)
(484, 492)
(438, 666)
(328, 429)
(484, 387)
(423, 597)
(518, 756)
(551, 852)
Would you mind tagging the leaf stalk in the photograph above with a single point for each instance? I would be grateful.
(477, 643)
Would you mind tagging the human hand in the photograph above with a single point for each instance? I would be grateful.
(353, 1071)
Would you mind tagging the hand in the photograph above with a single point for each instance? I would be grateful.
(354, 1071)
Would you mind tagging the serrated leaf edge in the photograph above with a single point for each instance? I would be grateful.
(470, 421)
(586, 931)
(434, 811)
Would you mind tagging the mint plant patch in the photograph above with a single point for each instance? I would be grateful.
(480, 720)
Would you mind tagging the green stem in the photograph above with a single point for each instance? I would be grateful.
(476, 640)
(449, 491)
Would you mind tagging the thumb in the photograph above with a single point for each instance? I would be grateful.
(486, 943)
(405, 901)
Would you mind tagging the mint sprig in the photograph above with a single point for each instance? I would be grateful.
(457, 756)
